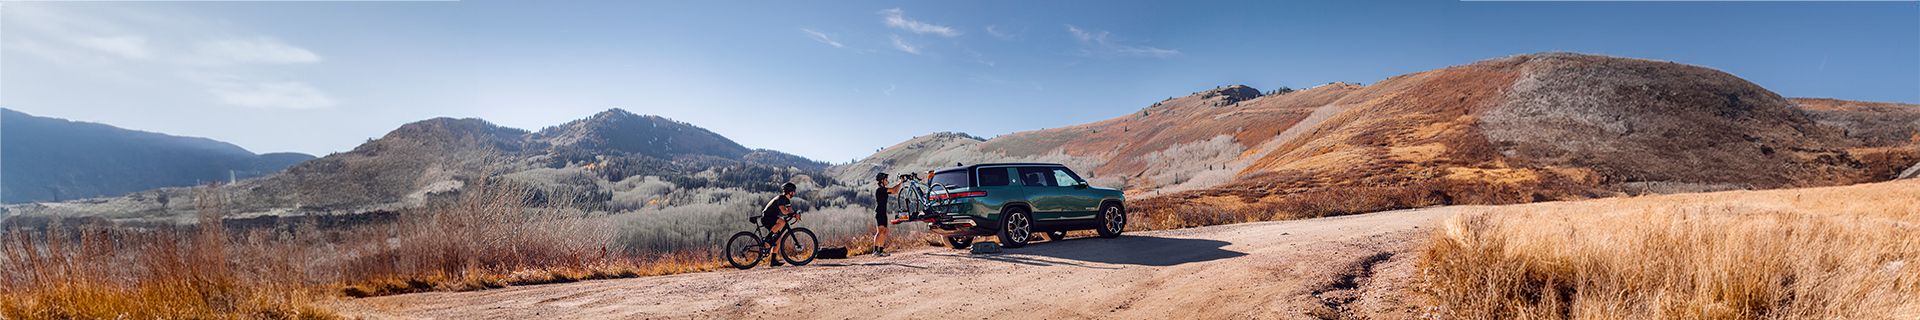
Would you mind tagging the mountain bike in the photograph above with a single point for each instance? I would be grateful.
(746, 248)
(914, 198)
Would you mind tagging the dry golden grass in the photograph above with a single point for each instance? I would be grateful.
(490, 239)
(1314, 200)
(103, 272)
(1824, 253)
(481, 279)
(486, 239)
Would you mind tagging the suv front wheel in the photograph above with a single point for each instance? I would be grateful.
(1113, 220)
(1016, 228)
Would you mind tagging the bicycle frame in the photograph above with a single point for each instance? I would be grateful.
(763, 239)
(788, 220)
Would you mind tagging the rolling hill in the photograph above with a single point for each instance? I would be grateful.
(431, 160)
(1514, 129)
(50, 159)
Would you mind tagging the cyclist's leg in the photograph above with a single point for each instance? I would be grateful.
(880, 233)
(766, 240)
(779, 225)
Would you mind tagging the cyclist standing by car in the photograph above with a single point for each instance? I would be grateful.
(770, 217)
(880, 213)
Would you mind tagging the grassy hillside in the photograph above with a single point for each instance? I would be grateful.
(1508, 130)
(593, 161)
(1550, 126)
(1885, 136)
(1187, 142)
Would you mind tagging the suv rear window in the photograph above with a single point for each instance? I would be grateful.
(1036, 177)
(953, 178)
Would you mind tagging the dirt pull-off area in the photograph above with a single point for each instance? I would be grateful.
(1350, 267)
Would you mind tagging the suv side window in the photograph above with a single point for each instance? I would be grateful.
(994, 177)
(1035, 177)
(1065, 178)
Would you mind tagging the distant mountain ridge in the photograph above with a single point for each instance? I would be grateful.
(50, 159)
(429, 160)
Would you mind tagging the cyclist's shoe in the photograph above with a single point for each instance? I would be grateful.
(776, 263)
(880, 252)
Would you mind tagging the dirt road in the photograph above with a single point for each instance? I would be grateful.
(1330, 268)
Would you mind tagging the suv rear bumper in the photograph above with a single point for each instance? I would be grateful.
(961, 225)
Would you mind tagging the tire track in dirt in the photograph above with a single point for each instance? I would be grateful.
(1335, 296)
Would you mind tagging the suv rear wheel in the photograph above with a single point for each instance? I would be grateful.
(1016, 228)
(959, 242)
(1113, 220)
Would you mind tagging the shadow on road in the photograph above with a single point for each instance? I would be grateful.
(1017, 259)
(1128, 250)
(836, 264)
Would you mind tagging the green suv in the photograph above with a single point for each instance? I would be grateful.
(1014, 201)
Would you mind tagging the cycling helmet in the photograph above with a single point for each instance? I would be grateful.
(880, 176)
(789, 187)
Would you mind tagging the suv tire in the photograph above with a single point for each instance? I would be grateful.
(1113, 220)
(960, 242)
(1016, 228)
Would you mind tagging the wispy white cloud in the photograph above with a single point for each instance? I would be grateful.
(160, 48)
(898, 19)
(903, 45)
(988, 79)
(63, 37)
(124, 46)
(823, 38)
(1102, 43)
(979, 57)
(261, 50)
(268, 94)
(1000, 33)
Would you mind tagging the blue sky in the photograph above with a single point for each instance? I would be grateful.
(835, 80)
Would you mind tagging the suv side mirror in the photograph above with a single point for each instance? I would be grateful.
(1081, 185)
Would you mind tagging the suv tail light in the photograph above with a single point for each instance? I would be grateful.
(957, 195)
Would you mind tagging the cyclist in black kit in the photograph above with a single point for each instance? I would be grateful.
(781, 205)
(880, 213)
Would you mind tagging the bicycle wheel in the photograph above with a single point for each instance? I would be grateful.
(744, 250)
(898, 202)
(914, 200)
(800, 247)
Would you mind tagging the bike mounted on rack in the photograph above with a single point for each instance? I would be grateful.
(917, 200)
